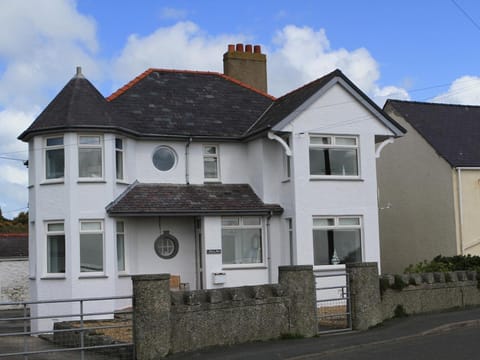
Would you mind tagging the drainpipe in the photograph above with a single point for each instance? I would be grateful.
(187, 148)
(380, 147)
(282, 142)
(269, 247)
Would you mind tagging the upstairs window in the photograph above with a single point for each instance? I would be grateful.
(211, 167)
(90, 156)
(242, 240)
(119, 158)
(333, 156)
(337, 240)
(54, 158)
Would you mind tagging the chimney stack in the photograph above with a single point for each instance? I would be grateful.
(246, 64)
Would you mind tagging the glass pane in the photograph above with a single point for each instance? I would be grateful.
(120, 252)
(89, 140)
(54, 163)
(230, 221)
(333, 245)
(55, 227)
(90, 162)
(320, 140)
(319, 161)
(91, 252)
(119, 164)
(164, 159)
(349, 221)
(55, 141)
(118, 143)
(324, 222)
(56, 253)
(343, 162)
(120, 226)
(210, 168)
(210, 150)
(91, 226)
(241, 246)
(251, 220)
(346, 141)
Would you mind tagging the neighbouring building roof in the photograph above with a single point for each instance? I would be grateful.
(13, 245)
(142, 199)
(453, 131)
(173, 103)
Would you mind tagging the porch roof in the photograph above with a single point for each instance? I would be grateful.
(146, 199)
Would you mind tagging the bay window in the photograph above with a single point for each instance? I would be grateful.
(119, 158)
(91, 246)
(242, 240)
(55, 247)
(90, 156)
(337, 240)
(120, 246)
(54, 158)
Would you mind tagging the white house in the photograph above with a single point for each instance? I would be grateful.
(201, 175)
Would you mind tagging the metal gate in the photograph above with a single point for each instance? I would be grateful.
(82, 329)
(333, 301)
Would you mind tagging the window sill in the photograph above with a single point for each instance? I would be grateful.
(100, 276)
(336, 178)
(285, 181)
(213, 181)
(93, 181)
(122, 182)
(53, 277)
(328, 267)
(123, 274)
(52, 182)
(244, 267)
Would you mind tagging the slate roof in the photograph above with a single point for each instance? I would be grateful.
(142, 199)
(13, 245)
(172, 103)
(453, 131)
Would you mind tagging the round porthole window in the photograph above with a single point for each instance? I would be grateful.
(166, 245)
(164, 158)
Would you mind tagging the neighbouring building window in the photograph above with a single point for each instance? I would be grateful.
(90, 156)
(54, 158)
(164, 158)
(337, 240)
(55, 247)
(242, 240)
(119, 158)
(333, 155)
(91, 246)
(211, 165)
(286, 161)
(120, 246)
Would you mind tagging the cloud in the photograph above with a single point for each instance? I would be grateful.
(172, 13)
(14, 175)
(182, 46)
(464, 90)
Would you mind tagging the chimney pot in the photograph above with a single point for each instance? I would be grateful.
(257, 49)
(79, 74)
(231, 48)
(248, 48)
(240, 47)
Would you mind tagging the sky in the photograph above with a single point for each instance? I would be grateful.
(411, 50)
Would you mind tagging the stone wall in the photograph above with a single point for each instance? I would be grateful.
(14, 280)
(169, 322)
(375, 299)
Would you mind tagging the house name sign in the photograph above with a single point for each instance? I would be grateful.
(214, 251)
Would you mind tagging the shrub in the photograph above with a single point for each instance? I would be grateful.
(446, 263)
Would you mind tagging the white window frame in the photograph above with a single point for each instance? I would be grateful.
(101, 231)
(333, 144)
(215, 156)
(48, 233)
(54, 147)
(337, 225)
(91, 146)
(241, 225)
(120, 151)
(122, 233)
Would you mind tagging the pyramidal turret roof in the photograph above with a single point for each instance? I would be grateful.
(79, 105)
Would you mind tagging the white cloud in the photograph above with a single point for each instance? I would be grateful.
(464, 90)
(14, 175)
(182, 46)
(172, 13)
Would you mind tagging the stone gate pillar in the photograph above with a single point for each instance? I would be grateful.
(364, 294)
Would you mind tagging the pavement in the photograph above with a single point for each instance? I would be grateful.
(391, 331)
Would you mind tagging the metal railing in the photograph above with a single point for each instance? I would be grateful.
(333, 302)
(94, 331)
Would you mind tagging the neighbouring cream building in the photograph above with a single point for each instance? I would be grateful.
(201, 175)
(429, 183)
